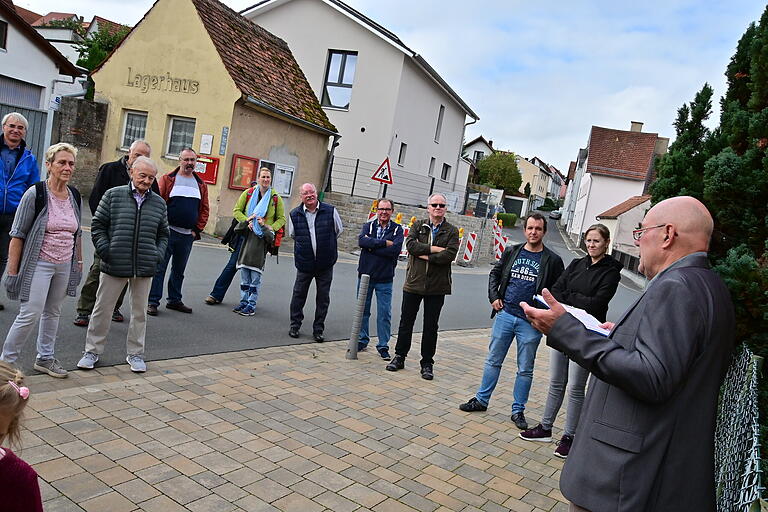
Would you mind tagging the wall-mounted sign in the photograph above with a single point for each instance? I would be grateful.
(206, 143)
(243, 171)
(207, 168)
(162, 83)
(224, 137)
(383, 173)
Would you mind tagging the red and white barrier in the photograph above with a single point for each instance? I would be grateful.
(470, 247)
(371, 216)
(404, 250)
(498, 241)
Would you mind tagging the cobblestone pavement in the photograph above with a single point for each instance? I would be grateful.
(296, 429)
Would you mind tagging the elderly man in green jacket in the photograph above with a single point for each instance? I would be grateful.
(130, 233)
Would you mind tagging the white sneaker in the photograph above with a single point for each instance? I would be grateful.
(137, 363)
(88, 361)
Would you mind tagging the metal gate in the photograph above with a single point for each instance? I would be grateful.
(35, 137)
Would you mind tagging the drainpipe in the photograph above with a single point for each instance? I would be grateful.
(458, 159)
(327, 177)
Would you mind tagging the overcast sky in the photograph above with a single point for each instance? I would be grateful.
(541, 73)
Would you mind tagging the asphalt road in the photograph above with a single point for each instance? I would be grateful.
(215, 329)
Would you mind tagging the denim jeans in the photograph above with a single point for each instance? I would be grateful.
(250, 282)
(179, 247)
(562, 372)
(46, 296)
(505, 328)
(383, 313)
(227, 274)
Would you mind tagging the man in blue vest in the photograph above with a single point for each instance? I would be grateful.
(19, 171)
(314, 227)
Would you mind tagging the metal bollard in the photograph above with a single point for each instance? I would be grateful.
(357, 317)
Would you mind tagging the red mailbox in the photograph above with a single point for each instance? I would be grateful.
(207, 168)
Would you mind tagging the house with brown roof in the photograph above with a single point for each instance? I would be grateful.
(621, 219)
(615, 165)
(195, 73)
(29, 66)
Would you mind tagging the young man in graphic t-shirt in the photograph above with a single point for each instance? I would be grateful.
(186, 197)
(523, 271)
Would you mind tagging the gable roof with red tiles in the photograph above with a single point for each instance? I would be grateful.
(52, 16)
(624, 207)
(27, 15)
(620, 153)
(111, 26)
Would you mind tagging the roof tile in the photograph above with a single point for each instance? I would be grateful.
(619, 153)
(623, 207)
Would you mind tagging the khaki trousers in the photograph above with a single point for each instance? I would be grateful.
(110, 288)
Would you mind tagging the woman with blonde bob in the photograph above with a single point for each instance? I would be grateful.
(44, 259)
(588, 283)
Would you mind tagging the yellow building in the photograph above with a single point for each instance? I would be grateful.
(195, 73)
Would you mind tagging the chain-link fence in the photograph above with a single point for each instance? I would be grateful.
(353, 177)
(737, 436)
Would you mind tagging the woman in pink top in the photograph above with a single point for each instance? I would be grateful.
(44, 260)
(19, 489)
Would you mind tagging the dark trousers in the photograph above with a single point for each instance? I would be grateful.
(433, 304)
(228, 273)
(323, 280)
(88, 292)
(6, 221)
(179, 247)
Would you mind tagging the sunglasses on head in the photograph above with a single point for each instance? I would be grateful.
(437, 205)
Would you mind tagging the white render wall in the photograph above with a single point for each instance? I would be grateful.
(416, 114)
(598, 194)
(626, 223)
(479, 145)
(311, 28)
(24, 61)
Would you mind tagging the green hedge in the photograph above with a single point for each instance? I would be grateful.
(508, 220)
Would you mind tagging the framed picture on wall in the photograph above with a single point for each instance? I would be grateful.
(244, 170)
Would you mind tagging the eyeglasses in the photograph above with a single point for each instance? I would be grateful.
(384, 209)
(637, 234)
(437, 205)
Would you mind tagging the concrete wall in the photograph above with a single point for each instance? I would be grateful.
(354, 212)
(311, 28)
(80, 122)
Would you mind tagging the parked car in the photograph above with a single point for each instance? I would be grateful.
(555, 214)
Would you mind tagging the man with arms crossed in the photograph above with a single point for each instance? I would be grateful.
(130, 233)
(522, 271)
(649, 416)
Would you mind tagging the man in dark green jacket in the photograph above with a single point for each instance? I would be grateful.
(432, 246)
(130, 233)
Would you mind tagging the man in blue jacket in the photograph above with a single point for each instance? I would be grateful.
(380, 242)
(19, 171)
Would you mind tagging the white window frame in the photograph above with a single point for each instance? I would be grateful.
(329, 81)
(431, 170)
(439, 127)
(171, 121)
(126, 113)
(443, 176)
(401, 154)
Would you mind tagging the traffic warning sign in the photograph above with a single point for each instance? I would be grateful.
(383, 173)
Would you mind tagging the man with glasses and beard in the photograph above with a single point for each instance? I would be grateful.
(432, 246)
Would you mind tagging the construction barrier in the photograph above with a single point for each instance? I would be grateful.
(404, 250)
(498, 241)
(470, 247)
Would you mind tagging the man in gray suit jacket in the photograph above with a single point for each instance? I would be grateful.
(646, 433)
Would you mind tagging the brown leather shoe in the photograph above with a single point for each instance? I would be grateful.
(178, 306)
(152, 310)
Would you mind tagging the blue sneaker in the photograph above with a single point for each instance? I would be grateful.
(247, 310)
(239, 307)
(361, 346)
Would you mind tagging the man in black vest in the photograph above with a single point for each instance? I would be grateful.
(314, 227)
(111, 175)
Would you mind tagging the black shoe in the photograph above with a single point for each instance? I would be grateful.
(178, 306)
(397, 363)
(293, 332)
(426, 372)
(384, 353)
(152, 310)
(519, 419)
(318, 336)
(473, 405)
(362, 347)
(117, 316)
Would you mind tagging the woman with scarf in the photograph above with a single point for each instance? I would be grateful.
(260, 213)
